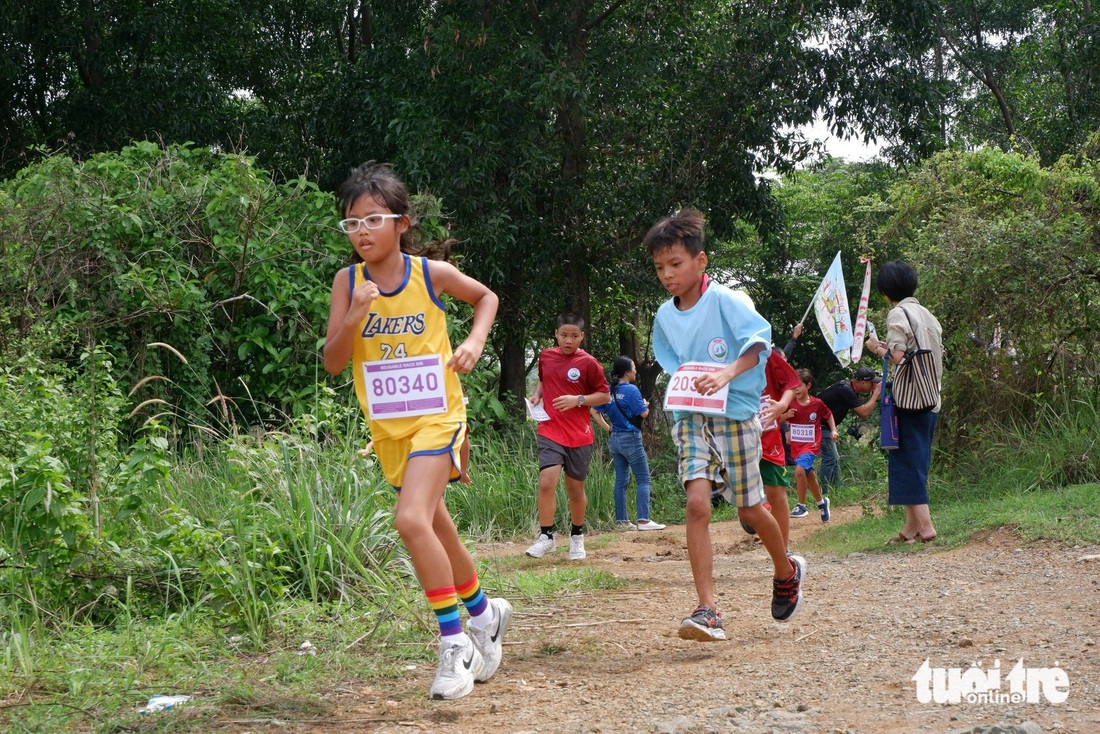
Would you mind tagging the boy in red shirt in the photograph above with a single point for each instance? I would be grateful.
(779, 392)
(570, 381)
(805, 419)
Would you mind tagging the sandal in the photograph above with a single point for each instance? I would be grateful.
(899, 538)
(918, 538)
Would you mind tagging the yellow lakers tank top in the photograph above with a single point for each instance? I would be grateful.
(399, 356)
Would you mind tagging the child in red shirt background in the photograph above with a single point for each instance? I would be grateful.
(805, 418)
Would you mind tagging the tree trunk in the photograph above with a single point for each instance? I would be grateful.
(513, 374)
(1002, 103)
(510, 335)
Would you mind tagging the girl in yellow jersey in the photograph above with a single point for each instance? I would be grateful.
(387, 319)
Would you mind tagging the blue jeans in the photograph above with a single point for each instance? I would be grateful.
(628, 455)
(829, 473)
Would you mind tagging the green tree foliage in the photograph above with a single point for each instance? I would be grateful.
(1019, 74)
(827, 209)
(94, 76)
(555, 132)
(1006, 249)
(193, 268)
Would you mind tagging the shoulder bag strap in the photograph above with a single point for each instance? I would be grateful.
(911, 327)
(616, 404)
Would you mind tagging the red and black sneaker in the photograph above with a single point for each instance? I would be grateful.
(704, 625)
(787, 595)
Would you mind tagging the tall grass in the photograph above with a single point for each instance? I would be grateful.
(1036, 477)
(501, 501)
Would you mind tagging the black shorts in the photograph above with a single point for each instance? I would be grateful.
(575, 459)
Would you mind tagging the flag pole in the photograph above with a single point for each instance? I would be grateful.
(812, 302)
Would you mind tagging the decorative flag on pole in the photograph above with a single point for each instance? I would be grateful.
(861, 312)
(831, 308)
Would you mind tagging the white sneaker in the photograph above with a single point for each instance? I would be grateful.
(576, 548)
(490, 642)
(650, 525)
(542, 546)
(626, 525)
(459, 665)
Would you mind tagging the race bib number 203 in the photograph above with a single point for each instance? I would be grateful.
(682, 395)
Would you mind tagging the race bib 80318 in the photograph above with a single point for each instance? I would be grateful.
(803, 432)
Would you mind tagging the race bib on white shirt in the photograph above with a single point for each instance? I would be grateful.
(403, 388)
(682, 395)
(803, 432)
(765, 425)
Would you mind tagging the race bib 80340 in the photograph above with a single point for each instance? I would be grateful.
(402, 388)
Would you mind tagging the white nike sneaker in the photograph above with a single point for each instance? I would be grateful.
(459, 665)
(490, 642)
(542, 546)
(576, 548)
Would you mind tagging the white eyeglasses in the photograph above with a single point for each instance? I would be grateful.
(374, 221)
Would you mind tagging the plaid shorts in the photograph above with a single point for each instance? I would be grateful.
(725, 451)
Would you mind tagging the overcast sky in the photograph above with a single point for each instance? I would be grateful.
(853, 150)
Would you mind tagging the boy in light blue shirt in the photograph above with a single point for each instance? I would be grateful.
(714, 344)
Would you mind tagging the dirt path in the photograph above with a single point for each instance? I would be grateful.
(611, 661)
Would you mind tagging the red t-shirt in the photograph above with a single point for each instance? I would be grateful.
(807, 421)
(780, 378)
(576, 374)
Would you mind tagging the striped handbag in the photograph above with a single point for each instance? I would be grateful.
(915, 387)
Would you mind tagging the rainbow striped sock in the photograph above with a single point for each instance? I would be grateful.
(474, 600)
(444, 603)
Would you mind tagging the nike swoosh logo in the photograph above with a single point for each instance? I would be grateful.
(496, 635)
(468, 662)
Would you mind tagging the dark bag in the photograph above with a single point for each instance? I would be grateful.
(888, 434)
(915, 388)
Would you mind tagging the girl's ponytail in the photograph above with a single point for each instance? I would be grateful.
(619, 367)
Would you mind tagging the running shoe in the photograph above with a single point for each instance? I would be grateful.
(823, 507)
(799, 510)
(704, 625)
(542, 546)
(576, 548)
(787, 595)
(490, 641)
(459, 665)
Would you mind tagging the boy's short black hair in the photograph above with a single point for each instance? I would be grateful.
(805, 376)
(684, 227)
(569, 319)
(896, 280)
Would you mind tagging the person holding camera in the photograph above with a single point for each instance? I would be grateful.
(842, 397)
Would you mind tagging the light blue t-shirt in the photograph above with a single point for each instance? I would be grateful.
(721, 327)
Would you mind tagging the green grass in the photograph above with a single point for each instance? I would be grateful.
(1066, 516)
(98, 679)
(1036, 480)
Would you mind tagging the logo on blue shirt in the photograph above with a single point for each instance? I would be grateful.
(718, 349)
